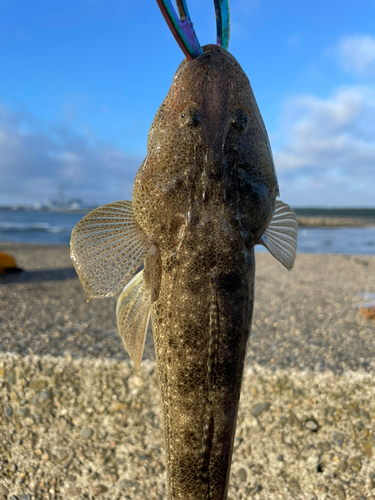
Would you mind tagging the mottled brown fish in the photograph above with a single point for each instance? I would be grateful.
(203, 197)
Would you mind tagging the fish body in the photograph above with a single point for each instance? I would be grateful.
(198, 197)
(203, 197)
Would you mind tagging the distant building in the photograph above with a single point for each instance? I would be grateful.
(74, 204)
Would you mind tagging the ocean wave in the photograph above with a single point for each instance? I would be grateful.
(12, 227)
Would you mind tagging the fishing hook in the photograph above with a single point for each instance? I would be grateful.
(182, 27)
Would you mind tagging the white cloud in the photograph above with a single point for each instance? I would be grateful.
(34, 163)
(328, 156)
(357, 54)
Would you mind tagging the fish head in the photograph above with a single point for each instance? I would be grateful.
(207, 145)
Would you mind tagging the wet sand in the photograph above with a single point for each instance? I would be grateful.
(311, 358)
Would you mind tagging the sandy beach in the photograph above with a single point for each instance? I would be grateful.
(78, 422)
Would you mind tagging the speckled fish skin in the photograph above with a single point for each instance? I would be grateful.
(204, 195)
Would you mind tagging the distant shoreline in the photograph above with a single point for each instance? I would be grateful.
(327, 221)
(307, 217)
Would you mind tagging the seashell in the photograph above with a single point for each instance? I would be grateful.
(367, 309)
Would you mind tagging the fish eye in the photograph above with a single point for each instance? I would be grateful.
(189, 117)
(240, 120)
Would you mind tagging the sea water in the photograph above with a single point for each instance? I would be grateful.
(56, 228)
(37, 227)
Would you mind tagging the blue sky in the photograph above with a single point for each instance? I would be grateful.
(80, 82)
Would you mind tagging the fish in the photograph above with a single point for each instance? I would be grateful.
(204, 196)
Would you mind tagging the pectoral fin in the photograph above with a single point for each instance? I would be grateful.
(107, 247)
(133, 314)
(280, 237)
